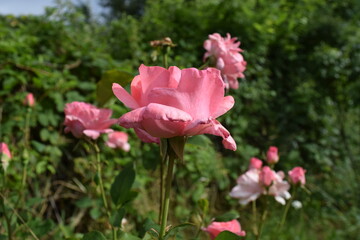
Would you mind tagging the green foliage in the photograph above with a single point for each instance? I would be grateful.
(300, 94)
(226, 235)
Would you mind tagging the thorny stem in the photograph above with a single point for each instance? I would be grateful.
(166, 201)
(99, 171)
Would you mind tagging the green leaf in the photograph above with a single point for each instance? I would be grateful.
(227, 217)
(226, 235)
(127, 236)
(117, 217)
(104, 86)
(173, 230)
(120, 189)
(95, 235)
(199, 140)
(203, 205)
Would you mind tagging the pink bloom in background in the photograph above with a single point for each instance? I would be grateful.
(280, 188)
(171, 102)
(297, 175)
(118, 140)
(215, 228)
(226, 53)
(5, 155)
(248, 187)
(267, 176)
(255, 163)
(85, 119)
(272, 155)
(29, 100)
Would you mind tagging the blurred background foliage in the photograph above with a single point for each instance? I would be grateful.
(301, 93)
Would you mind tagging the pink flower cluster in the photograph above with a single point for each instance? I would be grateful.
(225, 53)
(83, 119)
(262, 180)
(215, 228)
(171, 102)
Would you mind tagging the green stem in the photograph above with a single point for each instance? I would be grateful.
(102, 190)
(166, 201)
(7, 219)
(263, 218)
(255, 229)
(165, 57)
(287, 207)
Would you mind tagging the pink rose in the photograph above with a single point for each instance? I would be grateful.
(248, 187)
(226, 53)
(297, 175)
(267, 176)
(5, 155)
(171, 102)
(118, 140)
(85, 119)
(215, 228)
(272, 155)
(29, 100)
(280, 188)
(255, 163)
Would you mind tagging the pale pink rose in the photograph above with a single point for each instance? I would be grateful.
(280, 188)
(267, 176)
(272, 155)
(215, 228)
(5, 155)
(118, 140)
(297, 175)
(255, 163)
(171, 102)
(248, 187)
(228, 59)
(29, 100)
(85, 119)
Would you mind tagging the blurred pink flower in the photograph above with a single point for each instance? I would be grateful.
(85, 119)
(267, 176)
(226, 53)
(279, 188)
(272, 155)
(29, 100)
(248, 187)
(215, 228)
(297, 175)
(118, 140)
(5, 155)
(171, 102)
(255, 163)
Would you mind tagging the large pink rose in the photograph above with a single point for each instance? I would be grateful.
(171, 102)
(297, 175)
(248, 187)
(215, 228)
(118, 140)
(5, 155)
(226, 53)
(85, 119)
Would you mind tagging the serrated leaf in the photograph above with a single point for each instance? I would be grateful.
(117, 217)
(95, 235)
(226, 235)
(104, 86)
(120, 189)
(227, 217)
